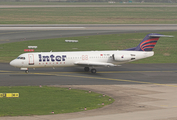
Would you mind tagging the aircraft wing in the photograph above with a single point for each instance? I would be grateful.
(89, 63)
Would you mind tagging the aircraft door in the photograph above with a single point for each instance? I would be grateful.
(31, 59)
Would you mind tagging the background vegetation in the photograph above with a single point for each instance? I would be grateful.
(89, 15)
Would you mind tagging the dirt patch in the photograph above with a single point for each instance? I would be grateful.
(166, 54)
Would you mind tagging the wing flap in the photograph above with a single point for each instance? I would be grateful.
(88, 63)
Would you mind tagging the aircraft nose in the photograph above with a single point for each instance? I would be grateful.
(12, 63)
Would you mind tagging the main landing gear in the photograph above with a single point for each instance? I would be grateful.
(26, 71)
(86, 69)
(93, 70)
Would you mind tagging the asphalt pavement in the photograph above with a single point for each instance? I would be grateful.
(125, 74)
(15, 33)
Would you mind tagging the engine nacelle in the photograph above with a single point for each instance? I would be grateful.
(122, 58)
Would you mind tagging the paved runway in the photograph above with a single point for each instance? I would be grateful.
(14, 33)
(162, 74)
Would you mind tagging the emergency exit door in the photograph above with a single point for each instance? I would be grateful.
(31, 59)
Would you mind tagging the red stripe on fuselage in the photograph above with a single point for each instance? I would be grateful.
(147, 47)
(148, 44)
(149, 40)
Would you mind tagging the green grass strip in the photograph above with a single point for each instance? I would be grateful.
(89, 15)
(36, 100)
(38, 2)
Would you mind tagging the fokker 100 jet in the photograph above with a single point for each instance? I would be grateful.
(87, 59)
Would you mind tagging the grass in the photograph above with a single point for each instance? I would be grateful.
(89, 15)
(80, 3)
(165, 50)
(34, 100)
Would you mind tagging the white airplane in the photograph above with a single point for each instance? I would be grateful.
(87, 59)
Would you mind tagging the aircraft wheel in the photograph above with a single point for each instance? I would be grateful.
(86, 69)
(26, 71)
(93, 70)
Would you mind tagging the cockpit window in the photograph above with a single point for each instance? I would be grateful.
(22, 58)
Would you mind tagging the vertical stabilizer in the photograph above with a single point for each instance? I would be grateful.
(148, 43)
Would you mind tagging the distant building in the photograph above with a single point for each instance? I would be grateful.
(111, 2)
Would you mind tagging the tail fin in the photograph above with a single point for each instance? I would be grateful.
(148, 43)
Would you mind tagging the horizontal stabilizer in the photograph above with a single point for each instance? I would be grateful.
(160, 36)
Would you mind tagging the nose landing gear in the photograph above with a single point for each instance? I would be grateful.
(24, 69)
